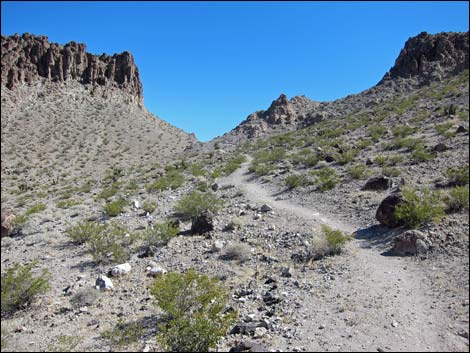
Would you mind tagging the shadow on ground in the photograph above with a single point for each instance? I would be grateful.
(378, 236)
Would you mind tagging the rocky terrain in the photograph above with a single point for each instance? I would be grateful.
(281, 175)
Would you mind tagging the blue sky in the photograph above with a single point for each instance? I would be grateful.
(206, 65)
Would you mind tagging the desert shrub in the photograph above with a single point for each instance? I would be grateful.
(402, 142)
(108, 192)
(64, 343)
(296, 180)
(196, 203)
(326, 178)
(234, 164)
(261, 169)
(67, 203)
(149, 206)
(376, 132)
(19, 287)
(233, 224)
(114, 208)
(364, 143)
(39, 207)
(81, 232)
(346, 157)
(458, 176)
(238, 252)
(381, 160)
(124, 333)
(419, 208)
(329, 242)
(403, 130)
(442, 129)
(391, 172)
(196, 170)
(173, 180)
(110, 245)
(194, 305)
(421, 154)
(160, 234)
(358, 171)
(457, 199)
(217, 173)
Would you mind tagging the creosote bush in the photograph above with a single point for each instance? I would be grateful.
(325, 178)
(160, 234)
(295, 180)
(457, 199)
(419, 208)
(196, 203)
(329, 242)
(114, 208)
(19, 287)
(81, 232)
(195, 309)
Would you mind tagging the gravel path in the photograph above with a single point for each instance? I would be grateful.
(376, 303)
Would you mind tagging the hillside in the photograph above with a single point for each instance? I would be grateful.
(330, 226)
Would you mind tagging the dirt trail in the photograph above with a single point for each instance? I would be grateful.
(376, 302)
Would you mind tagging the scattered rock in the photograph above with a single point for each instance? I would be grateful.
(120, 270)
(155, 269)
(411, 242)
(440, 147)
(203, 223)
(266, 208)
(103, 283)
(215, 187)
(217, 246)
(149, 251)
(380, 183)
(385, 212)
(329, 158)
(247, 346)
(8, 219)
(285, 272)
(461, 129)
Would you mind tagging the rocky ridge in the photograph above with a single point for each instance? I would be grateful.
(27, 59)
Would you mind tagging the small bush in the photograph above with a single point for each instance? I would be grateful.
(160, 234)
(64, 343)
(195, 307)
(39, 207)
(149, 206)
(296, 180)
(326, 178)
(108, 192)
(403, 130)
(196, 203)
(114, 208)
(67, 203)
(330, 242)
(358, 171)
(376, 132)
(421, 154)
(346, 157)
(19, 287)
(234, 164)
(173, 180)
(124, 333)
(196, 170)
(110, 245)
(84, 230)
(418, 210)
(390, 172)
(457, 199)
(442, 129)
(458, 176)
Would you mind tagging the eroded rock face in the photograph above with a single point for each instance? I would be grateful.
(431, 57)
(28, 58)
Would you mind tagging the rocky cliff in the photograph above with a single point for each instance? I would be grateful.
(428, 57)
(29, 58)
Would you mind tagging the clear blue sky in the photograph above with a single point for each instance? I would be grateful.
(206, 66)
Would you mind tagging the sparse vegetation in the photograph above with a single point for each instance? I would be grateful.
(419, 208)
(114, 208)
(64, 343)
(160, 234)
(173, 180)
(234, 164)
(149, 206)
(358, 171)
(295, 180)
(81, 232)
(325, 178)
(457, 199)
(458, 176)
(329, 242)
(124, 333)
(19, 287)
(196, 203)
(194, 305)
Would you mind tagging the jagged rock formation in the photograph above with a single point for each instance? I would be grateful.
(28, 58)
(431, 57)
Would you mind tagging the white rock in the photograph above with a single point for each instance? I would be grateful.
(155, 269)
(120, 270)
(137, 204)
(260, 332)
(218, 245)
(103, 283)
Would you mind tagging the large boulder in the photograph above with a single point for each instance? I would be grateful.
(411, 242)
(202, 223)
(386, 212)
(380, 183)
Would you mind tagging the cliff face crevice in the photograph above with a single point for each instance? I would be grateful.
(28, 58)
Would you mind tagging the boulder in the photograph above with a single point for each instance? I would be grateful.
(202, 223)
(103, 283)
(380, 183)
(215, 187)
(385, 212)
(120, 270)
(217, 246)
(440, 147)
(153, 269)
(8, 219)
(411, 242)
(266, 208)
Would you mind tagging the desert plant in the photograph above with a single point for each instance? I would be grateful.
(390, 171)
(114, 208)
(358, 171)
(419, 208)
(295, 180)
(194, 305)
(457, 199)
(458, 176)
(172, 180)
(421, 154)
(234, 164)
(67, 203)
(160, 234)
(111, 245)
(108, 192)
(149, 206)
(64, 343)
(124, 333)
(35, 209)
(196, 203)
(329, 242)
(81, 232)
(19, 287)
(326, 178)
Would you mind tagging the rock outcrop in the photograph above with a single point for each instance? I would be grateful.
(29, 58)
(428, 57)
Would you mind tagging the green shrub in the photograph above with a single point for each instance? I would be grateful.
(217, 173)
(330, 242)
(335, 238)
(458, 176)
(326, 178)
(124, 333)
(261, 169)
(35, 209)
(196, 203)
(421, 154)
(346, 157)
(376, 132)
(381, 160)
(114, 208)
(418, 210)
(296, 180)
(442, 128)
(108, 192)
(149, 206)
(64, 343)
(403, 142)
(358, 171)
(234, 164)
(160, 234)
(173, 180)
(457, 199)
(81, 232)
(403, 130)
(110, 245)
(67, 203)
(194, 305)
(196, 170)
(19, 287)
(390, 171)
